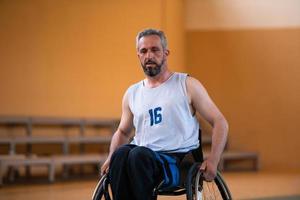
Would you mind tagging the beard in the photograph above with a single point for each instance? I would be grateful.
(152, 71)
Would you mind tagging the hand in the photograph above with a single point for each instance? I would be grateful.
(105, 167)
(209, 170)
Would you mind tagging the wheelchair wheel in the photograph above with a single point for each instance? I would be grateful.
(101, 191)
(198, 189)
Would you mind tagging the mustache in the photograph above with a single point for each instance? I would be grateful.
(150, 62)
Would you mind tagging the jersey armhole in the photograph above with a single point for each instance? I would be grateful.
(184, 86)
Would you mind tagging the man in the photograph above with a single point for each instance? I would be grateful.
(162, 110)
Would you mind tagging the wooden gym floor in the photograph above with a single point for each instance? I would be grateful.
(243, 185)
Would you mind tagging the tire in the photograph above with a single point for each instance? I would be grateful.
(101, 191)
(198, 189)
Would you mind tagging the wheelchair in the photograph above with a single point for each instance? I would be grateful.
(192, 184)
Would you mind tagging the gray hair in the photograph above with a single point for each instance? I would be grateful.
(150, 31)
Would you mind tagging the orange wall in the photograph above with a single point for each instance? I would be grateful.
(76, 58)
(247, 54)
(254, 77)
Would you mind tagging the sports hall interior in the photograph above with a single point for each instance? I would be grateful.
(68, 63)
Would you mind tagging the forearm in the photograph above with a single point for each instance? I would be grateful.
(119, 138)
(219, 138)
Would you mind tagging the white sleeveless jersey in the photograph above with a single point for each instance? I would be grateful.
(162, 117)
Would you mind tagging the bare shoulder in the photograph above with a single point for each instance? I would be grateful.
(194, 86)
(192, 80)
(126, 96)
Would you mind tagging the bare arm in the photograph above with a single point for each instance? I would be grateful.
(122, 135)
(203, 104)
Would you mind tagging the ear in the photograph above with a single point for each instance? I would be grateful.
(167, 52)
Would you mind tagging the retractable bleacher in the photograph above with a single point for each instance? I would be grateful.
(12, 159)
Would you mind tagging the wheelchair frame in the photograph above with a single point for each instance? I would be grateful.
(193, 186)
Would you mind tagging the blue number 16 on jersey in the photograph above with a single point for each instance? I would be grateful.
(155, 116)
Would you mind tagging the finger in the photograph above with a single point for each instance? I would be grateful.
(210, 178)
(106, 170)
(209, 175)
(102, 172)
(203, 167)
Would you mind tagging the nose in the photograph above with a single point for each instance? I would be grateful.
(149, 55)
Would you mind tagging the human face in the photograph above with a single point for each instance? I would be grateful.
(151, 55)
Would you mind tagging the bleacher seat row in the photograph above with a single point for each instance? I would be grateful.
(15, 160)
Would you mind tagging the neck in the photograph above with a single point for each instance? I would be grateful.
(155, 81)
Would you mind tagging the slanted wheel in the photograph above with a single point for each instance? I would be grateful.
(199, 189)
(101, 191)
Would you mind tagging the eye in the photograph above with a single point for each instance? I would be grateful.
(155, 49)
(143, 51)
